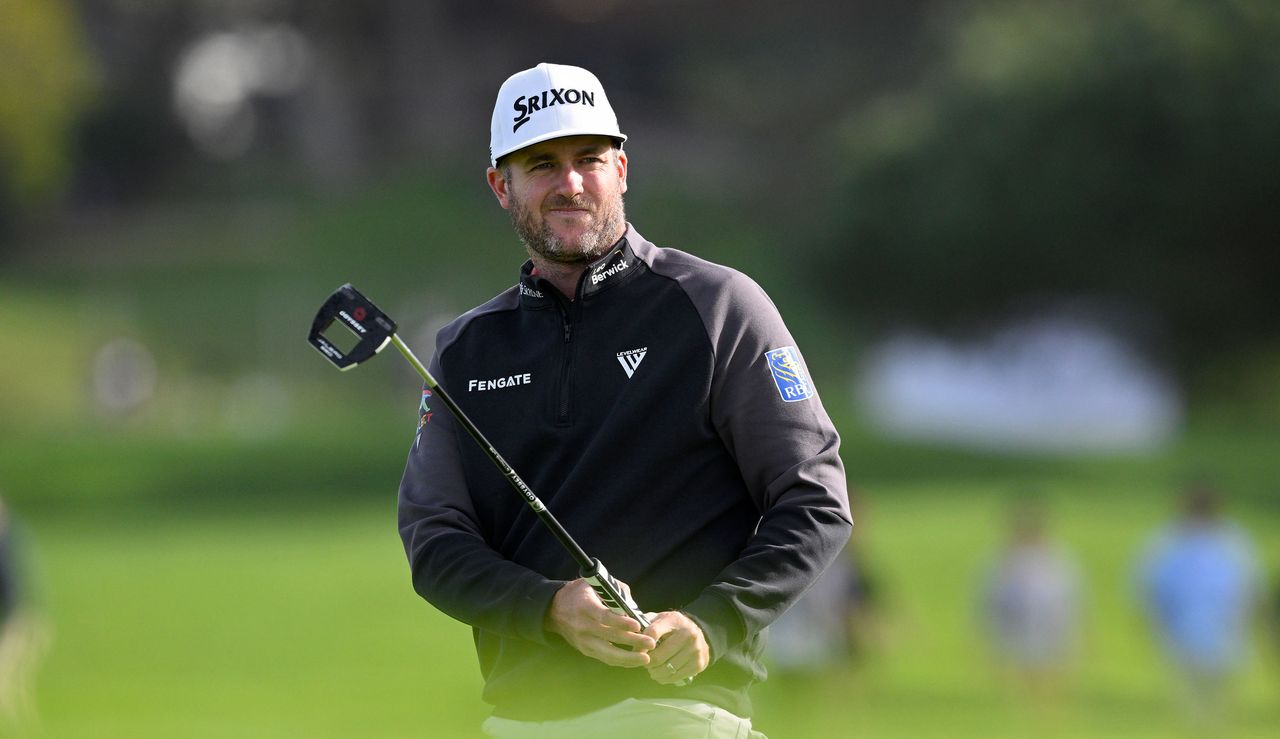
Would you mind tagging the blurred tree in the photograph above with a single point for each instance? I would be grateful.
(1126, 151)
(44, 84)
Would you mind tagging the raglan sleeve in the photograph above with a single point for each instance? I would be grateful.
(453, 567)
(769, 416)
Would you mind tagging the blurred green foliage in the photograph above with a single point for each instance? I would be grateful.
(928, 163)
(1124, 152)
(45, 78)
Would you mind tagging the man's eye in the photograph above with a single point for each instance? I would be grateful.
(541, 165)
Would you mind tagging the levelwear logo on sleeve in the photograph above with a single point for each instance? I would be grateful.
(788, 375)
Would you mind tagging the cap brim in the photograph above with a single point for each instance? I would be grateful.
(557, 134)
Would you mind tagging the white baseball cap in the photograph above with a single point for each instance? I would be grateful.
(547, 102)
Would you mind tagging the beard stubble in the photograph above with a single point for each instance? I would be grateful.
(608, 221)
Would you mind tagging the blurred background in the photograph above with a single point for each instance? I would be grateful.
(1028, 250)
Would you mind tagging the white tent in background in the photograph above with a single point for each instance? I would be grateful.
(1044, 384)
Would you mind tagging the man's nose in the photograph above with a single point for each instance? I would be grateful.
(570, 182)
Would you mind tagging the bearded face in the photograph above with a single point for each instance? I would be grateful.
(602, 223)
(565, 197)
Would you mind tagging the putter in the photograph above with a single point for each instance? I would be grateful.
(374, 330)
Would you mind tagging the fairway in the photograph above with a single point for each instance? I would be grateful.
(284, 622)
(272, 625)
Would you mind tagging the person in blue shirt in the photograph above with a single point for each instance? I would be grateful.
(1198, 584)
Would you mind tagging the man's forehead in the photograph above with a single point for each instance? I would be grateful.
(565, 145)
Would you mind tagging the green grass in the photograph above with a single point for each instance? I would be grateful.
(297, 619)
(290, 624)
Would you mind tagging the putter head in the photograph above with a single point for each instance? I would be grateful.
(371, 327)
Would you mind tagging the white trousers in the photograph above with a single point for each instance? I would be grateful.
(650, 718)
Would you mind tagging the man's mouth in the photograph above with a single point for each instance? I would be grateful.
(570, 211)
(567, 205)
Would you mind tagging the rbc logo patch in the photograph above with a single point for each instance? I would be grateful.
(784, 363)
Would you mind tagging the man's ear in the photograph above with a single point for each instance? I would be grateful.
(500, 185)
(621, 163)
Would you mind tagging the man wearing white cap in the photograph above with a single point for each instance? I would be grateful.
(658, 404)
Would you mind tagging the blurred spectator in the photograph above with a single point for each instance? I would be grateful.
(1273, 615)
(836, 622)
(124, 376)
(1198, 582)
(1030, 603)
(865, 631)
(23, 636)
(812, 635)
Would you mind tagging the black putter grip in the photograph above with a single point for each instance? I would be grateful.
(611, 593)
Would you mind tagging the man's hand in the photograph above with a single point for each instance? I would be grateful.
(578, 615)
(682, 650)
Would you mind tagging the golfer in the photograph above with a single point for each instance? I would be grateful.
(658, 404)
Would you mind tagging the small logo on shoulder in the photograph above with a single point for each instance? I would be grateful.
(425, 413)
(631, 359)
(788, 375)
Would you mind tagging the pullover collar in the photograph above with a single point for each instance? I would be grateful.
(613, 268)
